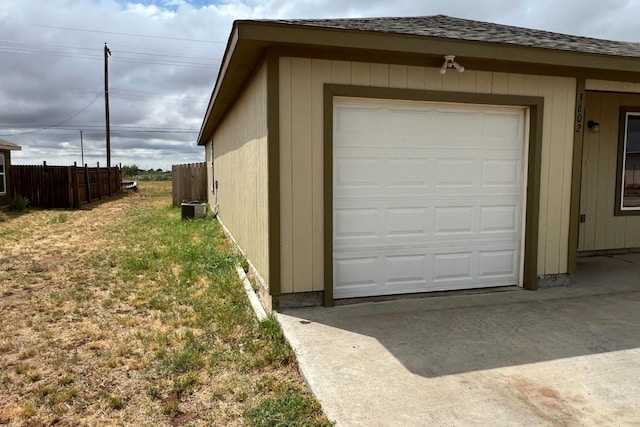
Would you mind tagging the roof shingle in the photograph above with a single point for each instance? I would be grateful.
(442, 26)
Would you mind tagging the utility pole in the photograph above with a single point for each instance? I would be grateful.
(81, 149)
(107, 54)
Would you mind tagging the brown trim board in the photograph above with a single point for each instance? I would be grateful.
(576, 175)
(535, 105)
(273, 168)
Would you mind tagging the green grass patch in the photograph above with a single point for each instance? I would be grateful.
(290, 407)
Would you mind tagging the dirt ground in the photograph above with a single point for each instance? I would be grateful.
(59, 341)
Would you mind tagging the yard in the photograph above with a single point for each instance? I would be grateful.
(122, 314)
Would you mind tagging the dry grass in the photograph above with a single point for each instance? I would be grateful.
(121, 314)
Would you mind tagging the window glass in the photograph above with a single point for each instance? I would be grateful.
(631, 171)
(2, 175)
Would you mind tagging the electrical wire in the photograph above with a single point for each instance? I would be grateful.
(116, 33)
(59, 123)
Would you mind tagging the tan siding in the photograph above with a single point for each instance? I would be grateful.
(602, 230)
(320, 73)
(557, 149)
(286, 177)
(301, 170)
(240, 167)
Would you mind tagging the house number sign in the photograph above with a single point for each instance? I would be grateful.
(580, 112)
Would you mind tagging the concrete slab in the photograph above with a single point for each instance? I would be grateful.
(557, 356)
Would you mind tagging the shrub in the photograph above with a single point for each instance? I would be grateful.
(18, 203)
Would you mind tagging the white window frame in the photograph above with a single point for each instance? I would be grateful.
(625, 114)
(3, 174)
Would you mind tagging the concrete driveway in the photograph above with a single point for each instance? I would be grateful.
(558, 356)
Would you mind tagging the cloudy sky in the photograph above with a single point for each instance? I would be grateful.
(165, 57)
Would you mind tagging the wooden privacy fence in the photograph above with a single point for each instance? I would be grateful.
(189, 182)
(64, 186)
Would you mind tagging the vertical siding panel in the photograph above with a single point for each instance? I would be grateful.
(500, 83)
(320, 73)
(590, 173)
(530, 85)
(241, 141)
(556, 172)
(301, 173)
(468, 81)
(286, 195)
(565, 204)
(341, 72)
(451, 81)
(380, 75)
(398, 76)
(432, 79)
(484, 81)
(515, 84)
(609, 148)
(360, 74)
(415, 77)
(546, 90)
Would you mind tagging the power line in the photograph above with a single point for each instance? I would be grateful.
(116, 33)
(59, 123)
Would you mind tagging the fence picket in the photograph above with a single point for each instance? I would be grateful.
(61, 186)
(189, 182)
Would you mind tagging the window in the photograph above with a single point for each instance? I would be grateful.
(3, 178)
(628, 188)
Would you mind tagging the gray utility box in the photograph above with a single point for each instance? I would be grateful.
(193, 210)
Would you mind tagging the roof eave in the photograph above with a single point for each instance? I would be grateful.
(250, 39)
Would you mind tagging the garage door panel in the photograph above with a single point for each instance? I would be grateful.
(499, 219)
(456, 172)
(357, 173)
(451, 220)
(495, 264)
(430, 201)
(501, 173)
(357, 223)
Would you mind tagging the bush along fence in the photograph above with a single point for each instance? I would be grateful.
(189, 182)
(64, 186)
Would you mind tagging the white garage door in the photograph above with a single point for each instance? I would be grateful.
(427, 196)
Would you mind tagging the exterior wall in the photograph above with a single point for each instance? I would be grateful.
(6, 198)
(602, 230)
(301, 152)
(240, 168)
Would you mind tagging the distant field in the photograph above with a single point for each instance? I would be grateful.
(122, 314)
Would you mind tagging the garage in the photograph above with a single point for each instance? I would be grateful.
(427, 196)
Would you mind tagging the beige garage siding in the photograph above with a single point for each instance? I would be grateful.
(240, 167)
(602, 230)
(301, 155)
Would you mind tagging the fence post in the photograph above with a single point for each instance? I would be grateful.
(87, 183)
(99, 195)
(76, 186)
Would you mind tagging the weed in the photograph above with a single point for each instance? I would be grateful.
(115, 402)
(65, 380)
(34, 376)
(29, 409)
(61, 218)
(172, 407)
(154, 392)
(18, 203)
(37, 268)
(185, 383)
